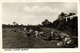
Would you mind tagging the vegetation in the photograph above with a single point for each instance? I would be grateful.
(17, 39)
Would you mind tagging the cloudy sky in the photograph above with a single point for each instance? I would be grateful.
(35, 12)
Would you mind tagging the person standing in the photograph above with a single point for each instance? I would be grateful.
(24, 29)
(51, 33)
(36, 33)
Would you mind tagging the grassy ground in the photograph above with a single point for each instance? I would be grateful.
(18, 40)
(13, 39)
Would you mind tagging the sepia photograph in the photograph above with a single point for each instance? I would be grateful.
(39, 25)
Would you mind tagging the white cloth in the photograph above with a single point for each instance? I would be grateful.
(69, 41)
(30, 30)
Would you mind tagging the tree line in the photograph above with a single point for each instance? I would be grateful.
(58, 23)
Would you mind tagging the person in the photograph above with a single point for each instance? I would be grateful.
(51, 33)
(60, 44)
(41, 33)
(36, 33)
(49, 36)
(66, 40)
(69, 41)
(30, 32)
(24, 30)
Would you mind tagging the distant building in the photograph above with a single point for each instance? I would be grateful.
(70, 17)
(63, 16)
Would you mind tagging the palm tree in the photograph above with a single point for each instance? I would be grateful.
(61, 16)
(14, 23)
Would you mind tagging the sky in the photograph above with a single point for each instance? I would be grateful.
(35, 12)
